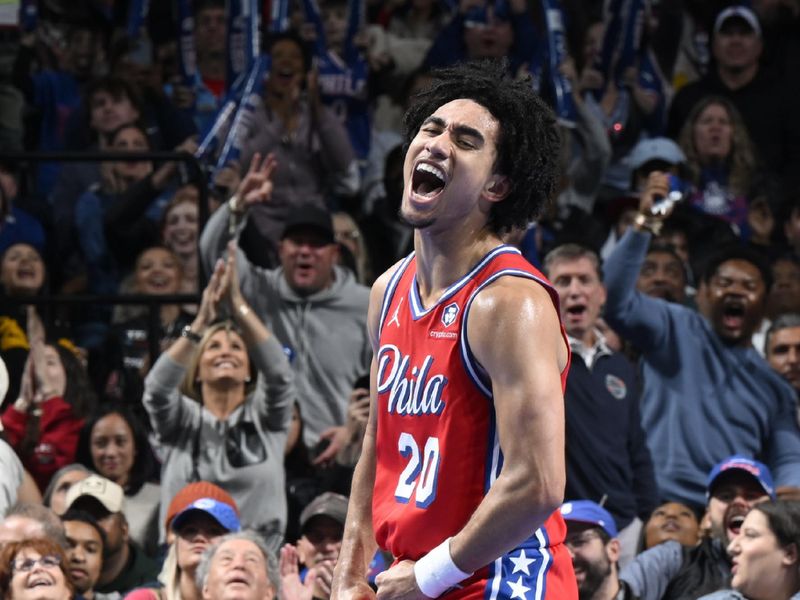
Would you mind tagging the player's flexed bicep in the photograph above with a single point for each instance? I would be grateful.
(515, 335)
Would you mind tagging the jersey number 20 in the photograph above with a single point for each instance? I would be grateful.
(421, 473)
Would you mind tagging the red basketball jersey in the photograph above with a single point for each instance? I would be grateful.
(437, 447)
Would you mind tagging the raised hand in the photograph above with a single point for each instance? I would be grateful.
(45, 384)
(256, 186)
(654, 205)
(35, 328)
(291, 586)
(212, 294)
(331, 441)
(229, 283)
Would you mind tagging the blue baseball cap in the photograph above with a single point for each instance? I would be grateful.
(758, 471)
(222, 513)
(586, 511)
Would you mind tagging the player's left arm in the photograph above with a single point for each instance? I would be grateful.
(514, 332)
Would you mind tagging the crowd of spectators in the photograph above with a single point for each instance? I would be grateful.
(184, 383)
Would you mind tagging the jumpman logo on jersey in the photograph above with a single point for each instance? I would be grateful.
(395, 317)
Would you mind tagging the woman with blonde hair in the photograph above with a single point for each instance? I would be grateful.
(219, 400)
(723, 167)
(197, 517)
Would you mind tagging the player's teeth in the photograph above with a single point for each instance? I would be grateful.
(431, 169)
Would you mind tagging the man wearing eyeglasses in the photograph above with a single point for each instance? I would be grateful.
(592, 542)
(670, 571)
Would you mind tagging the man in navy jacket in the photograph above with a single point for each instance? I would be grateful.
(607, 457)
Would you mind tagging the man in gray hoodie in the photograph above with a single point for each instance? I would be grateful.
(315, 307)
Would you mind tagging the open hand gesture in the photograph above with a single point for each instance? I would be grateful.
(291, 586)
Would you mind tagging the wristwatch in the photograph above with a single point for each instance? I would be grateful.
(191, 335)
(652, 223)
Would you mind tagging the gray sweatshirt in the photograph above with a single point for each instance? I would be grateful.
(243, 454)
(324, 334)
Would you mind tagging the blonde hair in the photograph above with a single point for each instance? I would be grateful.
(362, 259)
(742, 160)
(190, 386)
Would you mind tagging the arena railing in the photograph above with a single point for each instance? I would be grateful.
(194, 172)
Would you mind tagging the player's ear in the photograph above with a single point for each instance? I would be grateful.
(497, 188)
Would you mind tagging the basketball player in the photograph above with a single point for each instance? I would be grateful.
(462, 466)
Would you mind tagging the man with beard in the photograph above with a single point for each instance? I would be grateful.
(670, 571)
(707, 392)
(782, 347)
(662, 274)
(592, 542)
(607, 453)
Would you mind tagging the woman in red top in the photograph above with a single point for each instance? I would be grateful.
(55, 395)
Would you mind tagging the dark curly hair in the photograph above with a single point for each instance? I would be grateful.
(528, 144)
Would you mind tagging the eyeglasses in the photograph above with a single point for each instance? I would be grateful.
(26, 565)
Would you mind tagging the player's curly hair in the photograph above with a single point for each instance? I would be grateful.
(528, 144)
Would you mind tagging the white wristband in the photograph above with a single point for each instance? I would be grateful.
(436, 572)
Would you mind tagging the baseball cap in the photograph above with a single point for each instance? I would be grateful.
(201, 490)
(105, 491)
(757, 470)
(327, 504)
(586, 511)
(222, 513)
(309, 216)
(741, 12)
(659, 148)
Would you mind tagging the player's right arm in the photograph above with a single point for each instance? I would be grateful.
(358, 544)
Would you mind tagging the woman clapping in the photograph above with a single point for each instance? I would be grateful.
(219, 400)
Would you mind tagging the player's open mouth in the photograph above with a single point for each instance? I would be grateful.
(427, 180)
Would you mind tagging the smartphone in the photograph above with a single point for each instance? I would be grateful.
(677, 192)
(319, 448)
(362, 382)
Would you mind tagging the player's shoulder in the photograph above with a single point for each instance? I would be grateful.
(513, 293)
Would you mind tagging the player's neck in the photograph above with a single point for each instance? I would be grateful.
(444, 259)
